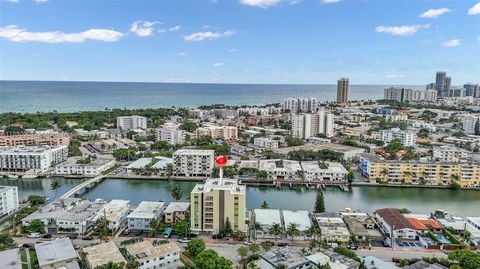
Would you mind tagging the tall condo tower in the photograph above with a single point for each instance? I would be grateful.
(342, 90)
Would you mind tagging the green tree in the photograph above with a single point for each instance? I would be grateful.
(36, 200)
(350, 176)
(319, 203)
(160, 146)
(176, 193)
(169, 170)
(394, 146)
(55, 185)
(35, 226)
(254, 248)
(6, 241)
(467, 259)
(111, 265)
(266, 245)
(181, 228)
(276, 230)
(264, 205)
(281, 266)
(209, 259)
(243, 253)
(194, 247)
(102, 224)
(154, 225)
(227, 228)
(262, 174)
(292, 230)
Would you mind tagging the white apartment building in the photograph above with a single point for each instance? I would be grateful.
(431, 95)
(333, 228)
(8, 199)
(280, 169)
(92, 169)
(331, 172)
(193, 162)
(468, 123)
(223, 132)
(417, 96)
(396, 117)
(158, 256)
(392, 222)
(449, 153)
(115, 212)
(258, 111)
(170, 133)
(420, 124)
(146, 211)
(407, 138)
(294, 105)
(126, 123)
(309, 125)
(267, 143)
(67, 215)
(39, 158)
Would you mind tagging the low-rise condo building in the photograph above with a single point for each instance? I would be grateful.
(216, 201)
(170, 133)
(223, 132)
(267, 218)
(407, 138)
(102, 254)
(314, 170)
(8, 199)
(193, 162)
(145, 212)
(332, 228)
(281, 169)
(449, 153)
(266, 143)
(175, 212)
(38, 158)
(150, 255)
(50, 139)
(466, 173)
(75, 166)
(115, 212)
(57, 254)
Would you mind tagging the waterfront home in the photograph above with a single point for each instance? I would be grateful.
(175, 212)
(90, 168)
(394, 223)
(332, 227)
(115, 212)
(266, 218)
(101, 254)
(363, 227)
(150, 255)
(145, 212)
(423, 223)
(67, 215)
(57, 254)
(156, 165)
(331, 171)
(299, 218)
(281, 169)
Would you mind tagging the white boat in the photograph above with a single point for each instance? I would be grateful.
(30, 174)
(13, 177)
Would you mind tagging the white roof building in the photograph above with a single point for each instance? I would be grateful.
(115, 212)
(332, 172)
(57, 254)
(10, 259)
(103, 253)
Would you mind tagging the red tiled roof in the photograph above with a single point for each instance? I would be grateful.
(394, 218)
(424, 224)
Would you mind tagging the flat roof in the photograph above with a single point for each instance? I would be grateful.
(301, 218)
(271, 165)
(316, 147)
(67, 209)
(335, 260)
(162, 162)
(147, 209)
(10, 259)
(103, 253)
(145, 250)
(55, 251)
(291, 257)
(267, 217)
(333, 167)
(140, 163)
(177, 207)
(114, 209)
(194, 152)
(212, 184)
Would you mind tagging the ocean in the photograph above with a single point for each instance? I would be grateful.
(63, 96)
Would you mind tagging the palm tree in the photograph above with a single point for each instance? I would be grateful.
(281, 266)
(292, 230)
(257, 227)
(55, 185)
(154, 223)
(384, 172)
(243, 253)
(169, 170)
(275, 230)
(177, 193)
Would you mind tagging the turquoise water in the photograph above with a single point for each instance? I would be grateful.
(33, 96)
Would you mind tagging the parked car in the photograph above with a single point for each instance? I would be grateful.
(88, 237)
(183, 240)
(248, 243)
(33, 235)
(395, 260)
(282, 244)
(27, 245)
(353, 247)
(139, 232)
(72, 236)
(47, 236)
(126, 232)
(76, 247)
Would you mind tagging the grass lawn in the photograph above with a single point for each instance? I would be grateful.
(33, 258)
(23, 258)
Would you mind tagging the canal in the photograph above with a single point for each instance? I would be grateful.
(460, 202)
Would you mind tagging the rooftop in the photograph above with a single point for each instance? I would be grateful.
(147, 210)
(177, 207)
(316, 147)
(114, 210)
(194, 152)
(214, 184)
(312, 166)
(73, 209)
(301, 218)
(267, 217)
(145, 250)
(55, 251)
(335, 260)
(10, 259)
(103, 253)
(394, 218)
(424, 224)
(288, 256)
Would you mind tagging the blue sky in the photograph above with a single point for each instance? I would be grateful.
(242, 41)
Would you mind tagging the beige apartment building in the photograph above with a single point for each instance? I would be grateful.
(53, 139)
(223, 132)
(215, 201)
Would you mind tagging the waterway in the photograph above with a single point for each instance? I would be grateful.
(459, 202)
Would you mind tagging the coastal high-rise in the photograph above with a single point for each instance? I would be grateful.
(441, 84)
(133, 122)
(431, 95)
(470, 89)
(309, 125)
(295, 105)
(398, 94)
(342, 90)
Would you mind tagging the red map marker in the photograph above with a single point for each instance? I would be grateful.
(221, 161)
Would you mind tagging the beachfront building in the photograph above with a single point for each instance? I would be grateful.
(145, 212)
(127, 123)
(38, 158)
(342, 90)
(102, 254)
(67, 215)
(193, 162)
(398, 94)
(151, 256)
(281, 169)
(56, 254)
(49, 139)
(170, 133)
(175, 212)
(223, 132)
(115, 212)
(310, 125)
(75, 166)
(294, 105)
(216, 201)
(267, 143)
(331, 171)
(407, 138)
(466, 173)
(8, 199)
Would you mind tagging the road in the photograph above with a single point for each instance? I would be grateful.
(387, 254)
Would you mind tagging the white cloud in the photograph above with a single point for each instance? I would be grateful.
(474, 10)
(40, 1)
(13, 33)
(14, 1)
(200, 36)
(177, 80)
(260, 3)
(452, 43)
(232, 50)
(175, 28)
(143, 28)
(395, 76)
(181, 54)
(330, 1)
(405, 30)
(218, 64)
(434, 13)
